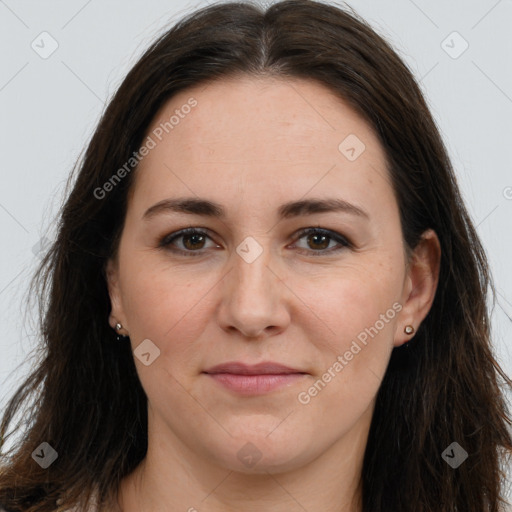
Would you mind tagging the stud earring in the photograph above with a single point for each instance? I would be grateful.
(120, 337)
(409, 329)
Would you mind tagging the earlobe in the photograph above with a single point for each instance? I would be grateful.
(420, 285)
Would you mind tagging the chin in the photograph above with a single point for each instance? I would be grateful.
(263, 454)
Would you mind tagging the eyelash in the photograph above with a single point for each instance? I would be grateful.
(167, 240)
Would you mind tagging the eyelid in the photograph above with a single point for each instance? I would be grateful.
(165, 242)
(343, 242)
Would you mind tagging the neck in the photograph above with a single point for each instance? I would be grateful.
(173, 477)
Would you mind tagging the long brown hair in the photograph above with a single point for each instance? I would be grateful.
(87, 400)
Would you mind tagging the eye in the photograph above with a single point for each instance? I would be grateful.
(319, 240)
(192, 240)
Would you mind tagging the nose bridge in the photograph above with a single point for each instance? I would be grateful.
(251, 272)
(252, 301)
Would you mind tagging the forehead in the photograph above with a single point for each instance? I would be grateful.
(251, 131)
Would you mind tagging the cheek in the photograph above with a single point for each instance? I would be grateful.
(167, 305)
(345, 301)
(355, 312)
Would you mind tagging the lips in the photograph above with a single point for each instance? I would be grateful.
(257, 379)
(265, 368)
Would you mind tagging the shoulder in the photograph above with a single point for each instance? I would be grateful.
(93, 505)
(3, 509)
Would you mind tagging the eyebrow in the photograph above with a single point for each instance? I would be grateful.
(197, 206)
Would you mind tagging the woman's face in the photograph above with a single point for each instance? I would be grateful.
(248, 168)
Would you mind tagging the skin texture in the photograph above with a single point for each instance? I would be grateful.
(252, 145)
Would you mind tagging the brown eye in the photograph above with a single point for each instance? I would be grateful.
(322, 241)
(190, 241)
(318, 241)
(195, 241)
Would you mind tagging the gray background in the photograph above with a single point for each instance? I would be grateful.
(49, 107)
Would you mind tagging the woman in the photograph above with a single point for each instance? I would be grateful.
(266, 292)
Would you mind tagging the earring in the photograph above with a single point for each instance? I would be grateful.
(120, 337)
(409, 329)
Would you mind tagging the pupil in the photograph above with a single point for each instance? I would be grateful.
(190, 237)
(324, 245)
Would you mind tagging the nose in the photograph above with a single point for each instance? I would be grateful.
(254, 298)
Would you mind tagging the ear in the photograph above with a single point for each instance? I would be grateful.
(420, 285)
(116, 313)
